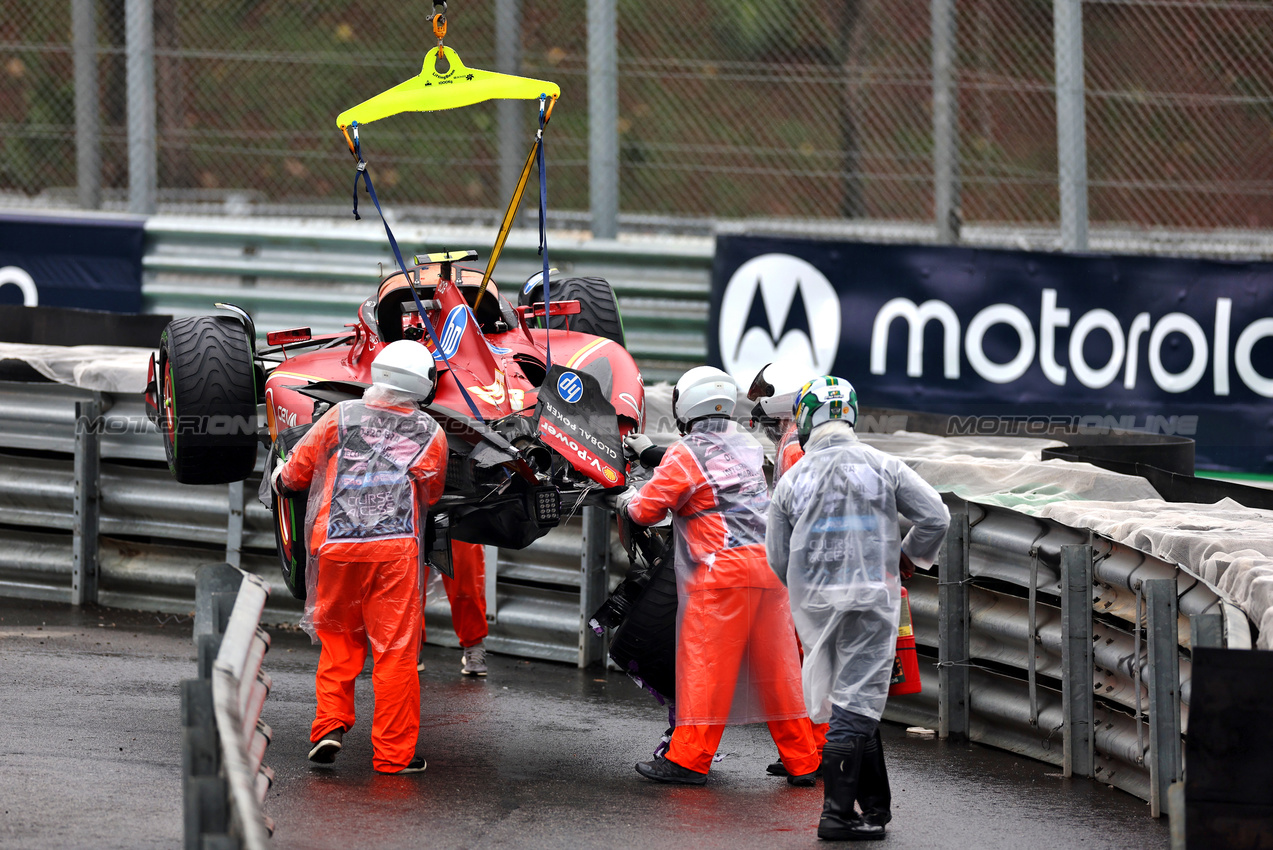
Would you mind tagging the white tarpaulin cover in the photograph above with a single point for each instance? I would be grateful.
(1225, 544)
(109, 368)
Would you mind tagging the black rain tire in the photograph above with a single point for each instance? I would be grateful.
(207, 399)
(598, 308)
(645, 642)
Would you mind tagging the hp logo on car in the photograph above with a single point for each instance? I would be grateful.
(453, 331)
(570, 387)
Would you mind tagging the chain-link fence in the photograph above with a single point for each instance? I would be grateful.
(727, 108)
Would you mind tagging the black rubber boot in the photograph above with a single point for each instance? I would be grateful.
(874, 797)
(841, 765)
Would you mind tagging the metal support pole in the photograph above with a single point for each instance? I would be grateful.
(491, 562)
(88, 154)
(1071, 126)
(234, 525)
(86, 507)
(594, 575)
(603, 118)
(1077, 675)
(953, 632)
(945, 130)
(1206, 631)
(508, 60)
(139, 20)
(1164, 690)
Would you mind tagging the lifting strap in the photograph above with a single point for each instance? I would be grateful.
(365, 175)
(543, 229)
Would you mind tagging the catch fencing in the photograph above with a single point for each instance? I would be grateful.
(1128, 113)
(1044, 640)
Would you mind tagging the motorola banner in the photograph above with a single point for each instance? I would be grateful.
(1172, 346)
(89, 263)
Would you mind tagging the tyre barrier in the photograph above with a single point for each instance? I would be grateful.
(223, 737)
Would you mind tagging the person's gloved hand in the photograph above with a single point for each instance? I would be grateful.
(619, 501)
(906, 566)
(274, 478)
(636, 443)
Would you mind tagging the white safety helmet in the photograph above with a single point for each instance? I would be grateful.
(823, 400)
(703, 391)
(405, 366)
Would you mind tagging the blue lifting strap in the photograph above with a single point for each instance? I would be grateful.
(397, 255)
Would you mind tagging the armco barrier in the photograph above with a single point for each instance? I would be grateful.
(223, 737)
(1012, 657)
(1062, 645)
(140, 548)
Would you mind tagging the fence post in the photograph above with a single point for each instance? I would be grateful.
(603, 118)
(139, 18)
(1071, 132)
(1164, 690)
(1206, 631)
(945, 128)
(88, 155)
(593, 580)
(1077, 675)
(508, 60)
(952, 632)
(490, 558)
(86, 507)
(234, 525)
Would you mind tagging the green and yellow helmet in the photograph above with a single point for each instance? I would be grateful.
(823, 400)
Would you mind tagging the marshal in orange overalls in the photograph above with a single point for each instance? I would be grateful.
(372, 472)
(736, 656)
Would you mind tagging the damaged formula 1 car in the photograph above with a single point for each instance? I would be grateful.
(534, 396)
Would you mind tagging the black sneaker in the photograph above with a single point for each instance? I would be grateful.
(417, 765)
(662, 770)
(326, 748)
(778, 769)
(805, 780)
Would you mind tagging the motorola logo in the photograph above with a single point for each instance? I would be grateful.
(779, 308)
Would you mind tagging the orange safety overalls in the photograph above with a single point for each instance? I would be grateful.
(736, 657)
(373, 471)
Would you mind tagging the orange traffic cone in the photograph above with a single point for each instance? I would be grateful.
(906, 663)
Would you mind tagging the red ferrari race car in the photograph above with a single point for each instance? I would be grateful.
(529, 438)
(534, 397)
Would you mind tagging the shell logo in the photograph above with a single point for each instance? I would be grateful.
(610, 475)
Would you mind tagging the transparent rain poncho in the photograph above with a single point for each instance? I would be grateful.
(364, 516)
(737, 660)
(834, 539)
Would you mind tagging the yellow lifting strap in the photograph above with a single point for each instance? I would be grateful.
(445, 82)
(511, 212)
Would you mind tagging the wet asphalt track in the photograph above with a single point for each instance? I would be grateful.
(537, 755)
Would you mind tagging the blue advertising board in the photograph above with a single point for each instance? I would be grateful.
(54, 261)
(1167, 345)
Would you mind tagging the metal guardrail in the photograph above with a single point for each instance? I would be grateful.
(224, 739)
(288, 273)
(1022, 662)
(1062, 645)
(142, 545)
